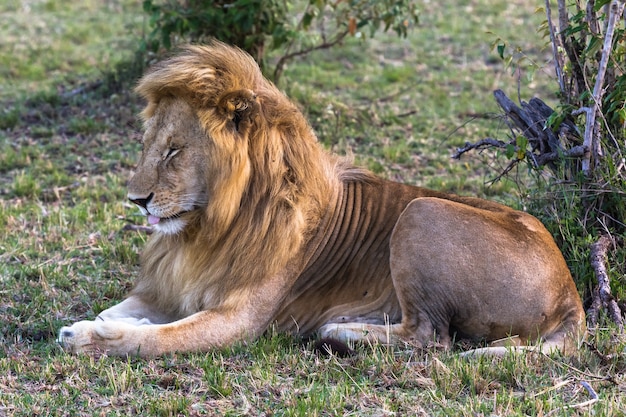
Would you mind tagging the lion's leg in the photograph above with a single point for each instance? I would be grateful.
(455, 263)
(122, 329)
(197, 333)
(566, 340)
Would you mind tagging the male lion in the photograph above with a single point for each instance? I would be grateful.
(256, 224)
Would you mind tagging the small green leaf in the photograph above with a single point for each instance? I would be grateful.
(500, 49)
(522, 143)
(510, 151)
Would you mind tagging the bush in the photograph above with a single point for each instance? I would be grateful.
(261, 25)
(576, 154)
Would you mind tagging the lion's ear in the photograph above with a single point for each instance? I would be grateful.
(240, 108)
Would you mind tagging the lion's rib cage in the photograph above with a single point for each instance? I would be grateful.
(352, 253)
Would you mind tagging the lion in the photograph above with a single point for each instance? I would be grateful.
(256, 225)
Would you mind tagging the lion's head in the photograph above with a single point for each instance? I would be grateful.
(218, 135)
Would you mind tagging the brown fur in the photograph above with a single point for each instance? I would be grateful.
(258, 224)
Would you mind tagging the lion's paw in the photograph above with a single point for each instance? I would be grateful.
(77, 338)
(112, 337)
(350, 332)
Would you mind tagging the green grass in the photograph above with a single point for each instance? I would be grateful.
(48, 44)
(400, 106)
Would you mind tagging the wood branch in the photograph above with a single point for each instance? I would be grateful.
(558, 58)
(602, 297)
(514, 113)
(278, 70)
(593, 399)
(512, 164)
(481, 144)
(531, 121)
(591, 139)
(575, 152)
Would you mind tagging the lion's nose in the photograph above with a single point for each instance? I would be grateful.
(141, 202)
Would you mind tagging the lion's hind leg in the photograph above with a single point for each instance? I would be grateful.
(565, 340)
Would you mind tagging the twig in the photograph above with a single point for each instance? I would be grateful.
(585, 374)
(512, 164)
(481, 144)
(324, 45)
(592, 394)
(605, 359)
(575, 152)
(552, 388)
(572, 48)
(602, 296)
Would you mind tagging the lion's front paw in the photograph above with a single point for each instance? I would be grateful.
(77, 338)
(111, 337)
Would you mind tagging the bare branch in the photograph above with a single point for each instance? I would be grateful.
(481, 144)
(324, 45)
(575, 152)
(591, 127)
(558, 60)
(531, 120)
(82, 90)
(602, 295)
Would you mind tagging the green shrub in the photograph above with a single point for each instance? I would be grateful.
(261, 25)
(577, 154)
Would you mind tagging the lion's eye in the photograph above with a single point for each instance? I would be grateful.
(171, 152)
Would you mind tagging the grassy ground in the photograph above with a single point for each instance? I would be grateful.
(400, 106)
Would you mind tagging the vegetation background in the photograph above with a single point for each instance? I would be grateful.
(400, 106)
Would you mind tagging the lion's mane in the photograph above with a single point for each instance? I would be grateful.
(275, 179)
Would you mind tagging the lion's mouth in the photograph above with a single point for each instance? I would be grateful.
(153, 220)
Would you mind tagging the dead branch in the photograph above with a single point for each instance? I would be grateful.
(592, 394)
(481, 144)
(531, 121)
(602, 297)
(282, 61)
(575, 152)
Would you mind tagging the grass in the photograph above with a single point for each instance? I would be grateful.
(400, 106)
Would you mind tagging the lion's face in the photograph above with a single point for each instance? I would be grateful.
(170, 183)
